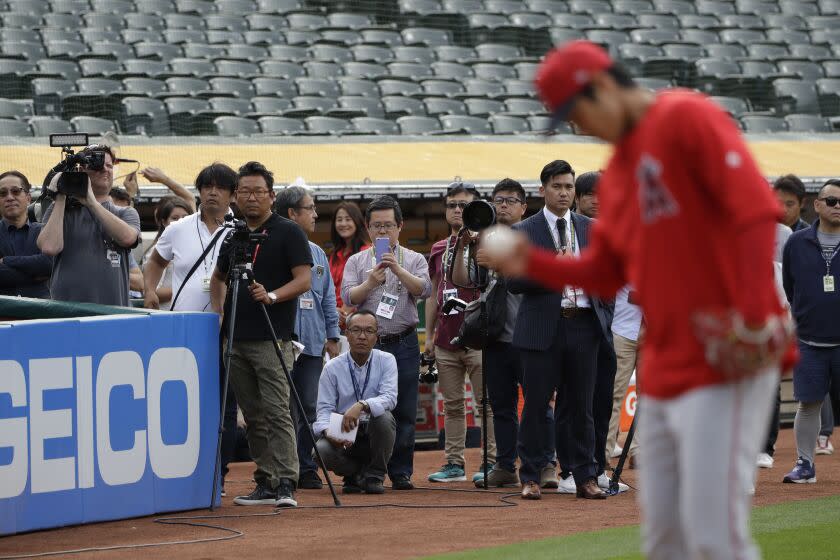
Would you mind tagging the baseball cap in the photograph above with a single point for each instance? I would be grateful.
(565, 72)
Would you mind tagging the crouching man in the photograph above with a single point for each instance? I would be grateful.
(361, 385)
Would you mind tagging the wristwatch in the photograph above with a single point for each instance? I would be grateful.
(365, 407)
(273, 297)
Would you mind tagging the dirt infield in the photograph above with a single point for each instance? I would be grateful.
(391, 532)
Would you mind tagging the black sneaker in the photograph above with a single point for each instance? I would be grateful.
(261, 496)
(285, 494)
(309, 480)
(374, 486)
(352, 485)
(401, 482)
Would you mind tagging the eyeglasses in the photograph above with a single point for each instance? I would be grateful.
(16, 191)
(509, 200)
(259, 195)
(311, 207)
(830, 200)
(358, 331)
(459, 204)
(389, 226)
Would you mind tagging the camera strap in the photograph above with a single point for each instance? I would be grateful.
(196, 264)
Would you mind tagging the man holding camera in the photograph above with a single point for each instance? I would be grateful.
(390, 288)
(454, 362)
(23, 269)
(90, 239)
(280, 262)
(316, 328)
(361, 385)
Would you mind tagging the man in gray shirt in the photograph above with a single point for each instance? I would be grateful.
(90, 239)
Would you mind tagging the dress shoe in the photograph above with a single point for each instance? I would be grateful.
(589, 490)
(531, 491)
(548, 477)
(401, 482)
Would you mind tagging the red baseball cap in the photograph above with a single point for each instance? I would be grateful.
(565, 72)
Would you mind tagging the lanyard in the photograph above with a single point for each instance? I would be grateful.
(829, 259)
(446, 260)
(359, 394)
(201, 240)
(257, 249)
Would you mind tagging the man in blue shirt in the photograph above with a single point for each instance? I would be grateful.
(24, 271)
(316, 327)
(361, 385)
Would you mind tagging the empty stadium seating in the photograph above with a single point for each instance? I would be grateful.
(319, 67)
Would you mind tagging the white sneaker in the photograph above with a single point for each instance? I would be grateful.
(567, 485)
(764, 461)
(604, 484)
(824, 446)
(616, 452)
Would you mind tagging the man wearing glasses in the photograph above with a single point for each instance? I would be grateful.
(24, 271)
(361, 385)
(811, 276)
(389, 287)
(316, 327)
(455, 363)
(281, 272)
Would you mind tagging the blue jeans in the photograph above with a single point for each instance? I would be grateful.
(407, 354)
(306, 375)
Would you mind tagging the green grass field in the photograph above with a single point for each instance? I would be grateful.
(795, 531)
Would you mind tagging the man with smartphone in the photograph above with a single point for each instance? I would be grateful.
(387, 280)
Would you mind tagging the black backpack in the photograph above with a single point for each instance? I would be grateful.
(478, 331)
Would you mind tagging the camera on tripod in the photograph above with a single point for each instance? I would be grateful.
(243, 242)
(431, 374)
(74, 181)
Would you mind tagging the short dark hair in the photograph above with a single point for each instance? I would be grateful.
(556, 167)
(256, 168)
(587, 182)
(359, 313)
(217, 174)
(790, 184)
(14, 173)
(459, 187)
(509, 185)
(119, 193)
(290, 197)
(384, 202)
(829, 183)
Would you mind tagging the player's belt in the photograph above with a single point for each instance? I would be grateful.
(575, 312)
(399, 337)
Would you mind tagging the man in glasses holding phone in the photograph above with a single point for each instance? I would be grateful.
(388, 285)
(454, 362)
(811, 275)
(24, 271)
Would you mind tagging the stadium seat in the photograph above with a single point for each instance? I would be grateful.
(659, 21)
(237, 68)
(317, 86)
(803, 69)
(799, 7)
(425, 36)
(20, 20)
(158, 7)
(699, 21)
(524, 107)
(807, 123)
(44, 126)
(100, 68)
(498, 52)
(763, 124)
(442, 88)
(465, 124)
(189, 22)
(443, 106)
(632, 6)
(418, 125)
(617, 21)
(530, 20)
(809, 51)
(235, 6)
(700, 36)
(367, 125)
(503, 6)
(341, 37)
(633, 56)
(144, 116)
(131, 36)
(400, 87)
(420, 6)
(191, 67)
(274, 86)
(225, 22)
(367, 106)
(678, 7)
(93, 126)
(795, 96)
(654, 36)
(463, 6)
(410, 70)
(329, 53)
(302, 37)
(735, 106)
(382, 37)
(159, 51)
(15, 109)
(715, 74)
(365, 70)
(281, 126)
(111, 6)
(327, 126)
(198, 7)
(828, 94)
(498, 72)
(742, 21)
(476, 87)
(590, 6)
(767, 51)
(48, 94)
(16, 129)
(506, 124)
(787, 36)
(418, 54)
(203, 50)
(13, 78)
(306, 21)
(519, 88)
(66, 69)
(281, 69)
(456, 53)
(483, 107)
(309, 105)
(372, 53)
(358, 86)
(55, 35)
(316, 69)
(758, 7)
(398, 106)
(231, 105)
(452, 70)
(742, 36)
(265, 105)
(19, 35)
(235, 126)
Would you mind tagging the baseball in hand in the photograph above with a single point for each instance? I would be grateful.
(504, 250)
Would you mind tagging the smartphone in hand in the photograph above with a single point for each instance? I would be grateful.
(381, 246)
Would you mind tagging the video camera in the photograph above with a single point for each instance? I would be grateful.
(242, 240)
(431, 373)
(74, 181)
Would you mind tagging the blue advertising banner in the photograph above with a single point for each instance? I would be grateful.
(106, 417)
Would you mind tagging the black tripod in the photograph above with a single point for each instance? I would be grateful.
(616, 476)
(239, 271)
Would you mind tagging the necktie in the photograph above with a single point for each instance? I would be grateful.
(561, 230)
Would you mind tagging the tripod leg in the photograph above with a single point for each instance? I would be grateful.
(613, 490)
(298, 402)
(484, 418)
(228, 348)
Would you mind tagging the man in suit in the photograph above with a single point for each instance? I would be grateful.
(559, 336)
(24, 271)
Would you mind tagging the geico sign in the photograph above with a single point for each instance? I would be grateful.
(116, 467)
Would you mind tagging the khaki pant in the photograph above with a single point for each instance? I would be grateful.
(453, 369)
(627, 356)
(263, 394)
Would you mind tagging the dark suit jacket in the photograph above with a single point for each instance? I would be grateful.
(537, 321)
(27, 274)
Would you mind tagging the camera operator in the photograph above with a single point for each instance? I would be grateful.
(90, 239)
(316, 328)
(455, 363)
(24, 271)
(281, 272)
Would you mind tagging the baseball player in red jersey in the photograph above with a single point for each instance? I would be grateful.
(688, 219)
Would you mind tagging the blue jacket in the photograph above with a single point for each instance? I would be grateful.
(313, 326)
(26, 274)
(816, 311)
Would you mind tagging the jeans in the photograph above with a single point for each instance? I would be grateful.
(368, 457)
(407, 353)
(306, 374)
